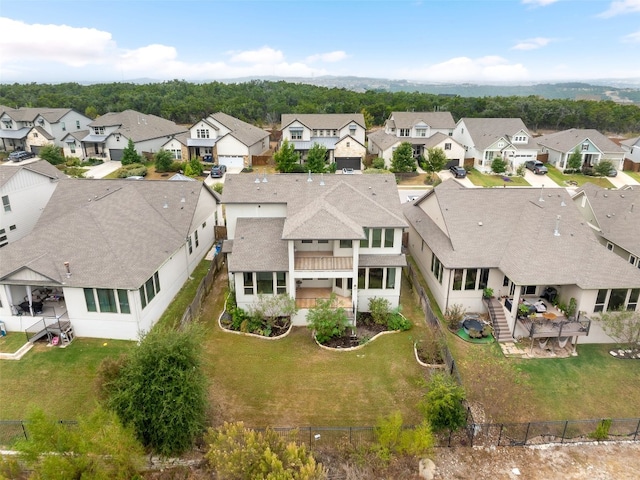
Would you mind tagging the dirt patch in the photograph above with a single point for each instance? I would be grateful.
(365, 330)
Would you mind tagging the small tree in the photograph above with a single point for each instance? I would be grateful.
(603, 168)
(327, 320)
(442, 405)
(52, 154)
(271, 307)
(316, 158)
(163, 160)
(130, 155)
(380, 310)
(435, 160)
(286, 157)
(193, 168)
(217, 187)
(574, 162)
(402, 160)
(498, 165)
(623, 326)
(392, 438)
(453, 315)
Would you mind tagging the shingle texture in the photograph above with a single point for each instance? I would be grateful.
(433, 119)
(512, 230)
(245, 132)
(42, 167)
(323, 120)
(485, 131)
(138, 126)
(247, 256)
(569, 140)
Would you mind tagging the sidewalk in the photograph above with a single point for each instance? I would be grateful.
(102, 170)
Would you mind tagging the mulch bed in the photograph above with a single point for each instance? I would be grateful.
(279, 328)
(365, 330)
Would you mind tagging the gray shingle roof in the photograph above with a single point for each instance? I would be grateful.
(29, 114)
(138, 126)
(333, 121)
(245, 132)
(433, 119)
(76, 134)
(383, 140)
(258, 246)
(485, 131)
(398, 260)
(42, 167)
(567, 140)
(114, 233)
(44, 133)
(512, 230)
(630, 142)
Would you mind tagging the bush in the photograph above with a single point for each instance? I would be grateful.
(603, 168)
(163, 160)
(326, 320)
(602, 430)
(217, 187)
(51, 154)
(442, 405)
(92, 162)
(453, 315)
(380, 310)
(378, 163)
(398, 322)
(392, 438)
(498, 165)
(297, 168)
(177, 166)
(75, 172)
(133, 170)
(520, 171)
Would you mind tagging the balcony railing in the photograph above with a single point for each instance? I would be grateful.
(319, 262)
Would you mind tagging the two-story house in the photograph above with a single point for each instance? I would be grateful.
(25, 190)
(312, 235)
(592, 145)
(226, 140)
(106, 256)
(484, 139)
(109, 134)
(423, 130)
(631, 147)
(343, 135)
(465, 240)
(31, 128)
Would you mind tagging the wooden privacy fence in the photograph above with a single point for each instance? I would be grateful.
(204, 288)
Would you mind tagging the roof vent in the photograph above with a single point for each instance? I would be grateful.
(166, 205)
(479, 224)
(556, 231)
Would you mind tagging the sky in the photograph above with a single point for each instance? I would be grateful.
(476, 41)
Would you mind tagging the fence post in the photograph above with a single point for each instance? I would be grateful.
(351, 435)
(500, 434)
(310, 439)
(637, 429)
(526, 434)
(564, 431)
(24, 430)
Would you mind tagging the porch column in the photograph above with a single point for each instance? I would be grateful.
(7, 290)
(30, 299)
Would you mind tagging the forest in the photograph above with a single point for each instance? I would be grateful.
(262, 102)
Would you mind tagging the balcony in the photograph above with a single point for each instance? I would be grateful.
(322, 262)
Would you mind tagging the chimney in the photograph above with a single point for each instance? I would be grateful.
(68, 269)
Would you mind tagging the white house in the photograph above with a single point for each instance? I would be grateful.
(25, 190)
(520, 244)
(342, 134)
(484, 139)
(178, 146)
(631, 146)
(593, 146)
(106, 256)
(310, 236)
(226, 140)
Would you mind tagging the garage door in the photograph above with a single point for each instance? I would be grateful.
(348, 162)
(36, 149)
(451, 163)
(233, 161)
(116, 154)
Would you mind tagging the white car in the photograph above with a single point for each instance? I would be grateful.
(347, 171)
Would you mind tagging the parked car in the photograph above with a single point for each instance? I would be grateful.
(536, 166)
(20, 155)
(218, 171)
(347, 171)
(612, 173)
(458, 172)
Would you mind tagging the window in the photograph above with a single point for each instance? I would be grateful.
(457, 278)
(617, 298)
(388, 238)
(447, 146)
(315, 132)
(296, 133)
(346, 244)
(334, 133)
(404, 132)
(281, 282)
(609, 244)
(72, 147)
(375, 277)
(391, 278)
(348, 144)
(78, 124)
(323, 241)
(190, 244)
(98, 130)
(632, 304)
(600, 299)
(421, 132)
(364, 243)
(90, 299)
(529, 289)
(148, 287)
(177, 153)
(470, 281)
(632, 259)
(436, 267)
(156, 282)
(585, 147)
(7, 124)
(376, 240)
(202, 133)
(248, 283)
(484, 278)
(204, 225)
(265, 282)
(143, 297)
(352, 129)
(361, 277)
(338, 283)
(307, 241)
(35, 134)
(123, 300)
(6, 203)
(107, 300)
(63, 126)
(196, 236)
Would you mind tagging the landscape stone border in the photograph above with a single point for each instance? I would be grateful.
(626, 353)
(247, 334)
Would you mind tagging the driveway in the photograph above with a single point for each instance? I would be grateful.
(622, 179)
(446, 175)
(102, 170)
(539, 180)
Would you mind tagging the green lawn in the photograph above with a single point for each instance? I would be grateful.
(561, 179)
(486, 180)
(634, 175)
(12, 342)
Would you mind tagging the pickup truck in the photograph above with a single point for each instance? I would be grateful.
(536, 167)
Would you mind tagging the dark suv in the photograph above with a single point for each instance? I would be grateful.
(19, 155)
(218, 171)
(458, 172)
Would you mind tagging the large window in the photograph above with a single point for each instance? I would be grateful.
(375, 277)
(484, 278)
(436, 267)
(346, 244)
(421, 132)
(632, 304)
(150, 289)
(376, 238)
(123, 300)
(391, 278)
(107, 300)
(617, 298)
(600, 299)
(362, 272)
(457, 278)
(202, 133)
(388, 237)
(265, 282)
(6, 203)
(470, 281)
(281, 282)
(90, 299)
(365, 242)
(404, 132)
(248, 283)
(296, 133)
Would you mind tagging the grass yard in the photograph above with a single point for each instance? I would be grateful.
(11, 342)
(561, 179)
(486, 180)
(634, 175)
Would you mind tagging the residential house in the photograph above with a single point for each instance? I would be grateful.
(614, 217)
(631, 147)
(423, 130)
(178, 145)
(593, 146)
(106, 256)
(72, 144)
(31, 128)
(25, 190)
(487, 138)
(110, 133)
(521, 243)
(227, 140)
(312, 235)
(343, 135)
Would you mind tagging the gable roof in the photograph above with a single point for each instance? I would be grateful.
(511, 229)
(631, 142)
(383, 140)
(247, 258)
(567, 140)
(138, 126)
(29, 114)
(43, 132)
(485, 131)
(617, 213)
(114, 233)
(76, 135)
(315, 121)
(41, 167)
(244, 132)
(433, 119)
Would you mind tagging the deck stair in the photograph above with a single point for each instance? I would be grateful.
(51, 327)
(498, 320)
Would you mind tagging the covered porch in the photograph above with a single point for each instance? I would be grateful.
(307, 298)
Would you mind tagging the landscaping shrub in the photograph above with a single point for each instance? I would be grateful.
(453, 315)
(217, 187)
(132, 170)
(326, 320)
(176, 166)
(380, 310)
(92, 162)
(378, 163)
(392, 438)
(398, 322)
(602, 430)
(498, 165)
(442, 405)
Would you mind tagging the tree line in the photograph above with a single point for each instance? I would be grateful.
(263, 102)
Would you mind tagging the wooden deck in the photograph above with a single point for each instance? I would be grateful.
(558, 327)
(306, 298)
(322, 261)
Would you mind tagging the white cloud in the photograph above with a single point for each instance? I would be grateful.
(465, 69)
(70, 46)
(632, 37)
(328, 57)
(621, 7)
(263, 55)
(532, 44)
(539, 3)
